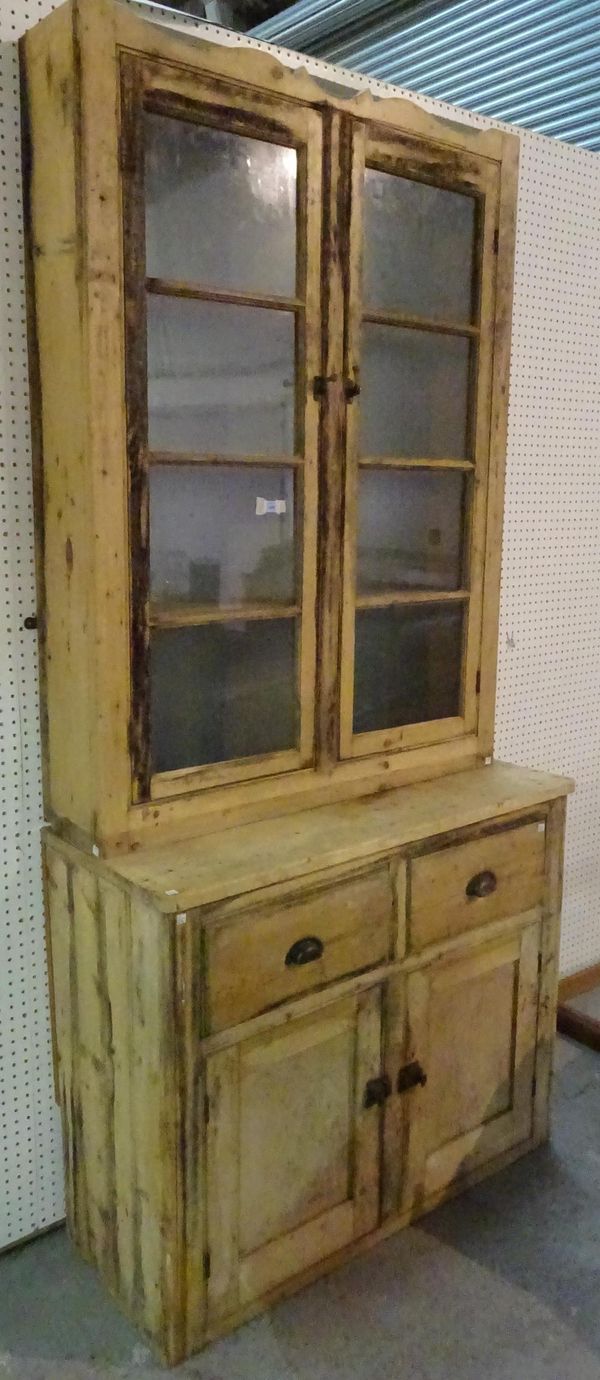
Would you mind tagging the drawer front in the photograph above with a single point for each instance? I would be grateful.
(285, 950)
(468, 885)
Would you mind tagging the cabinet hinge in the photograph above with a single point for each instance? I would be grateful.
(206, 1109)
(206, 1264)
(478, 682)
(496, 240)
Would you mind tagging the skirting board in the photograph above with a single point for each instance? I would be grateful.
(577, 1024)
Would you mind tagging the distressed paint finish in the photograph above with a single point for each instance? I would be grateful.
(89, 278)
(165, 1056)
(118, 1037)
(187, 1051)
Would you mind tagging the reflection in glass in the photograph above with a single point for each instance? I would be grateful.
(414, 394)
(221, 534)
(220, 208)
(407, 665)
(409, 530)
(221, 691)
(418, 248)
(220, 377)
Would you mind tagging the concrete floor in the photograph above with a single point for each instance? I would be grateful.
(501, 1284)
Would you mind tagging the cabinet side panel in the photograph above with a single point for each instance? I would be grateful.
(506, 228)
(117, 929)
(550, 944)
(118, 1076)
(103, 314)
(51, 103)
(154, 1126)
(58, 920)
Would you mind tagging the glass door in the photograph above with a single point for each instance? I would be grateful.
(222, 276)
(422, 224)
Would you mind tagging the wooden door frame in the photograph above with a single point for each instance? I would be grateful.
(477, 177)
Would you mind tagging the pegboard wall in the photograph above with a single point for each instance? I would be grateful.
(549, 671)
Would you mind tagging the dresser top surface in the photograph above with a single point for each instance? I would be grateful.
(201, 871)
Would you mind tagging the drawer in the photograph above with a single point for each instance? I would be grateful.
(469, 884)
(282, 951)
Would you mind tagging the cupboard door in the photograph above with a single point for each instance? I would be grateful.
(420, 309)
(293, 1151)
(222, 280)
(472, 1023)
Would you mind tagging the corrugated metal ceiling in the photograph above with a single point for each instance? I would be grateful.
(530, 63)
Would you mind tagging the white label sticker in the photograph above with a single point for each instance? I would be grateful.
(172, 891)
(270, 505)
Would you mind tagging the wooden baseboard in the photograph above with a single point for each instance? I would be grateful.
(576, 983)
(578, 1026)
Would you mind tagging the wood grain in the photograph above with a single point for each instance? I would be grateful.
(100, 781)
(192, 873)
(246, 969)
(440, 905)
(117, 1061)
(185, 1185)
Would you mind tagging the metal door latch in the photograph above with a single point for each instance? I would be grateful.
(376, 1091)
(411, 1076)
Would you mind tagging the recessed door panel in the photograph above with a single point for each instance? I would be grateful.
(472, 1020)
(293, 1148)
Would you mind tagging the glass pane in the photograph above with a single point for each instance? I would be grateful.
(418, 248)
(409, 530)
(220, 208)
(414, 393)
(221, 691)
(407, 665)
(221, 534)
(220, 377)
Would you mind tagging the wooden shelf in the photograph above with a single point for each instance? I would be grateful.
(172, 287)
(387, 597)
(195, 615)
(420, 323)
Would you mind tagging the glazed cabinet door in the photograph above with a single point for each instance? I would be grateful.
(420, 311)
(471, 1021)
(293, 1148)
(222, 254)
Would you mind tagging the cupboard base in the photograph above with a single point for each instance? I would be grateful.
(412, 1044)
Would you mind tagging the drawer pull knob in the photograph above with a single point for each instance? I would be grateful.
(411, 1076)
(376, 1091)
(304, 951)
(482, 884)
